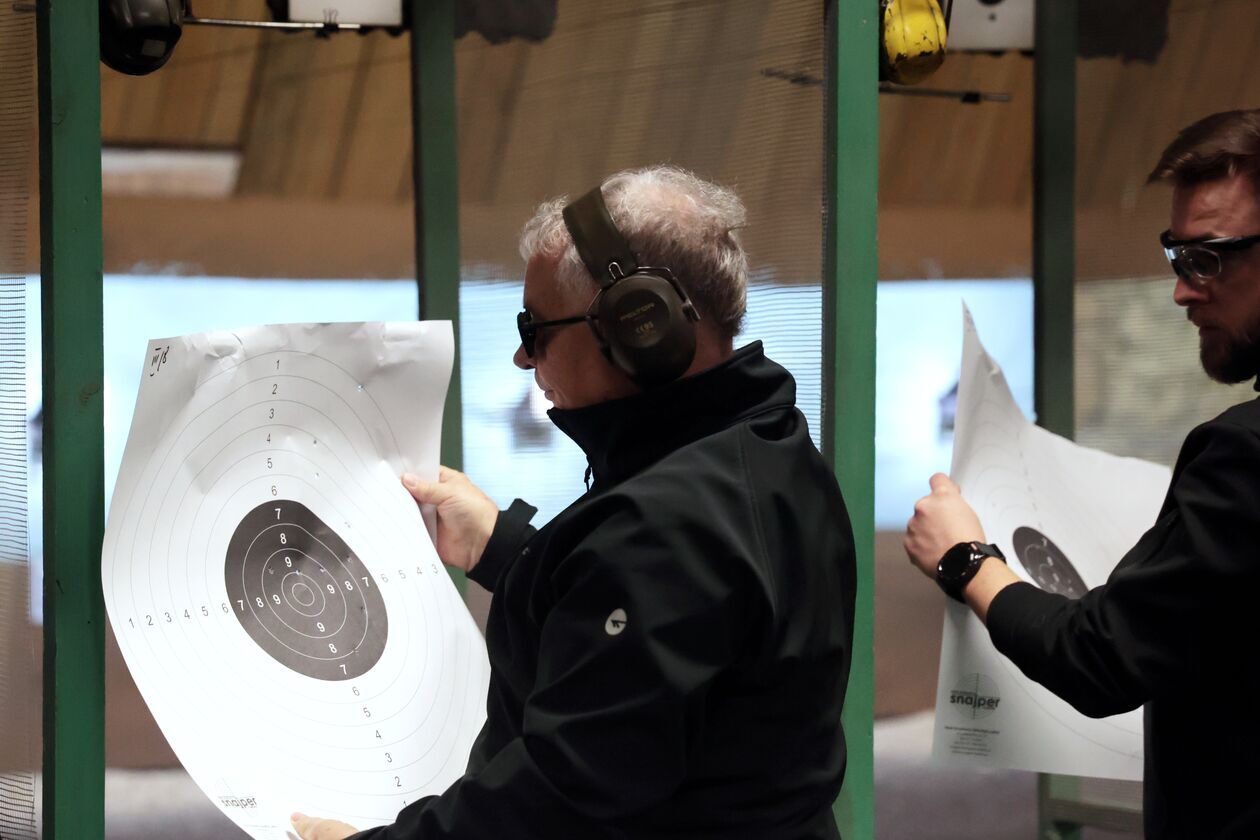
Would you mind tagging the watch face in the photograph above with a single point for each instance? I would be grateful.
(954, 564)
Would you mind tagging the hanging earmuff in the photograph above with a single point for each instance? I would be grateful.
(912, 42)
(138, 36)
(644, 322)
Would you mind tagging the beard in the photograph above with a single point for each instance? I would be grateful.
(1230, 358)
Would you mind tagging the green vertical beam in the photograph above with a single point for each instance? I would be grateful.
(1054, 214)
(1054, 261)
(73, 435)
(436, 181)
(851, 139)
(436, 175)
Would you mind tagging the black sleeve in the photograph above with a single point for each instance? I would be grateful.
(1127, 641)
(640, 627)
(511, 531)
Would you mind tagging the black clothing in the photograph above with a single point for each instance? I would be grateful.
(669, 655)
(1172, 628)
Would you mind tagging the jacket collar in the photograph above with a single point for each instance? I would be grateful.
(621, 437)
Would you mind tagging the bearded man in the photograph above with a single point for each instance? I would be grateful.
(1172, 628)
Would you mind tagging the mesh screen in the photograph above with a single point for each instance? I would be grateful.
(18, 691)
(1139, 386)
(622, 84)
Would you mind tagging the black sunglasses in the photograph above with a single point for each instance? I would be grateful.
(1200, 260)
(528, 327)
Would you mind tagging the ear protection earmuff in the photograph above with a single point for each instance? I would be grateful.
(138, 36)
(644, 322)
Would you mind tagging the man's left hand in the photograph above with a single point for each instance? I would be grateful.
(313, 828)
(941, 520)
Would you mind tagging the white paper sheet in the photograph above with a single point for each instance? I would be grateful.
(1064, 515)
(271, 583)
(367, 12)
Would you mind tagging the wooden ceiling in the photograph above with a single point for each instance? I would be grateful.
(324, 130)
(327, 123)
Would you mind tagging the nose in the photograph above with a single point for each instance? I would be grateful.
(1186, 293)
(521, 360)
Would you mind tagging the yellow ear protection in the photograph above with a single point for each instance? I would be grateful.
(644, 321)
(913, 42)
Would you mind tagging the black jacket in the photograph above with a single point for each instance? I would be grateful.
(669, 655)
(1175, 627)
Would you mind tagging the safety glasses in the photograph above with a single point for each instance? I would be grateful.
(528, 327)
(1200, 260)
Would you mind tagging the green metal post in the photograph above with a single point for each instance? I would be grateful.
(436, 174)
(73, 435)
(1054, 257)
(1054, 214)
(849, 282)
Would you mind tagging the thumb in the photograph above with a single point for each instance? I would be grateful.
(425, 492)
(302, 824)
(941, 483)
(446, 474)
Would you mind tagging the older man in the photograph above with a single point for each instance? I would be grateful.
(669, 654)
(1172, 628)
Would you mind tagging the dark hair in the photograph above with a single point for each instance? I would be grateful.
(1217, 146)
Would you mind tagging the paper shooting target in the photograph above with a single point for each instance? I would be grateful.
(271, 583)
(1024, 483)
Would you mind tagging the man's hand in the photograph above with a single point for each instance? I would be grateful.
(465, 515)
(313, 828)
(941, 520)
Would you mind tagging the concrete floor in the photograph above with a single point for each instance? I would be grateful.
(915, 799)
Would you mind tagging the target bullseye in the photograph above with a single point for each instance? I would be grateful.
(1046, 563)
(302, 595)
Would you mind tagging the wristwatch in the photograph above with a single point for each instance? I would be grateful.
(960, 564)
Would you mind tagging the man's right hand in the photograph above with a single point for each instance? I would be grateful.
(465, 515)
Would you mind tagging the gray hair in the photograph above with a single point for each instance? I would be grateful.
(670, 218)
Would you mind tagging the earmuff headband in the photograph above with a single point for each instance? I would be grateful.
(601, 246)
